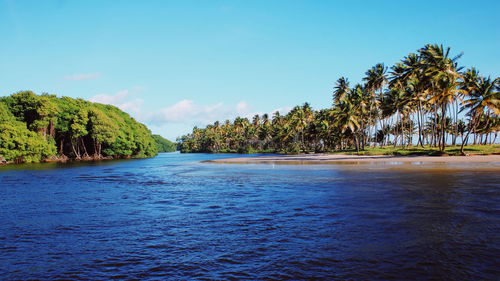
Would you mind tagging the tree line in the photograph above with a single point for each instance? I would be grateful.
(37, 127)
(426, 99)
(164, 145)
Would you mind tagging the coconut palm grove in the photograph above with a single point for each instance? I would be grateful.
(426, 100)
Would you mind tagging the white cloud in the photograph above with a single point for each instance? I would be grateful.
(180, 117)
(132, 106)
(188, 112)
(82, 76)
(282, 110)
(120, 99)
(242, 106)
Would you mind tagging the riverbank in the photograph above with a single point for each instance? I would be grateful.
(64, 159)
(346, 158)
(451, 150)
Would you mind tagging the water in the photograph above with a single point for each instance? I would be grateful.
(172, 217)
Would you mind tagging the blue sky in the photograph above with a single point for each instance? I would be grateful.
(176, 64)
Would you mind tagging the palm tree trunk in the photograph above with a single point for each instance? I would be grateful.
(465, 140)
(419, 120)
(434, 127)
(303, 143)
(456, 123)
(443, 127)
(402, 132)
(356, 143)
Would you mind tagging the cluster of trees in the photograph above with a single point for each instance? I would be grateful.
(425, 99)
(36, 127)
(164, 145)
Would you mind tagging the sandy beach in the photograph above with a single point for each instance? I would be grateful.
(344, 158)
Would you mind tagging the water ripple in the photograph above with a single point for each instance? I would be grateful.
(172, 218)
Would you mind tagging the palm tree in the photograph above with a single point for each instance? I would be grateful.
(482, 96)
(341, 90)
(424, 88)
(359, 98)
(375, 80)
(300, 117)
(417, 86)
(264, 131)
(442, 74)
(240, 130)
(399, 102)
(347, 117)
(323, 127)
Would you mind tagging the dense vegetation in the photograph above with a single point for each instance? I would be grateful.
(426, 99)
(34, 128)
(164, 145)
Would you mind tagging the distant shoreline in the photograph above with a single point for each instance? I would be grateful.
(345, 158)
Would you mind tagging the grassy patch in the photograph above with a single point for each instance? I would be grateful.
(432, 151)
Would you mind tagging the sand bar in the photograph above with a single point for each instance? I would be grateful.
(344, 158)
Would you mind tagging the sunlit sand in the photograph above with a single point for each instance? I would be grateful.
(344, 158)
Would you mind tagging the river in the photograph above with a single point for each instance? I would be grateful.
(174, 217)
